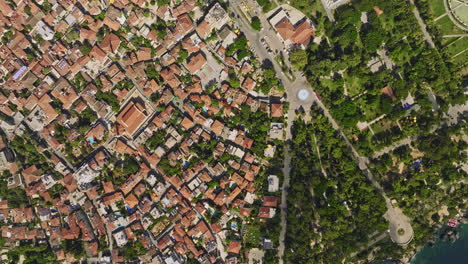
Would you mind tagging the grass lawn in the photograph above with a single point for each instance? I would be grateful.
(353, 85)
(462, 58)
(437, 7)
(447, 27)
(447, 41)
(457, 46)
(376, 128)
(267, 5)
(382, 125)
(308, 7)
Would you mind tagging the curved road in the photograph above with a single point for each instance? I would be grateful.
(452, 15)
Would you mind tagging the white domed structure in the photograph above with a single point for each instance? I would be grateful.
(303, 94)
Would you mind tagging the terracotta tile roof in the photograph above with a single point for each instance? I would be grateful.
(113, 24)
(270, 201)
(203, 29)
(97, 132)
(122, 147)
(248, 85)
(170, 78)
(131, 117)
(188, 44)
(88, 34)
(92, 248)
(133, 180)
(139, 189)
(108, 200)
(245, 212)
(150, 87)
(184, 7)
(92, 194)
(65, 93)
(184, 24)
(110, 43)
(108, 187)
(299, 34)
(186, 123)
(246, 68)
(285, 28)
(378, 10)
(277, 110)
(6, 9)
(131, 200)
(303, 34)
(196, 62)
(97, 53)
(388, 91)
(31, 174)
(70, 182)
(217, 127)
(248, 142)
(234, 247)
(144, 54)
(80, 63)
(162, 11)
(4, 204)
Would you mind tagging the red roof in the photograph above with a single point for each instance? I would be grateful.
(270, 201)
(217, 127)
(299, 34)
(234, 247)
(264, 212)
(131, 117)
(276, 110)
(110, 43)
(196, 63)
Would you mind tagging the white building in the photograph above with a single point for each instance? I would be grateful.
(120, 238)
(217, 17)
(44, 30)
(273, 183)
(85, 175)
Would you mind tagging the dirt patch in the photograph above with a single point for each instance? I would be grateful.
(401, 167)
(415, 153)
(386, 124)
(443, 211)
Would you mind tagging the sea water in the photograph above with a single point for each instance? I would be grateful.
(446, 252)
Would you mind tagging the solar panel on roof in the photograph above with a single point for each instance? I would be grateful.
(19, 72)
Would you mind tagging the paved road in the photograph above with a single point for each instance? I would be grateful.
(285, 187)
(109, 238)
(455, 36)
(291, 90)
(395, 145)
(422, 25)
(371, 243)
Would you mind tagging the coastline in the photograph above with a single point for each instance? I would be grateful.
(445, 241)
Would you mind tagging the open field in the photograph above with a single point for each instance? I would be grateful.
(462, 58)
(437, 7)
(457, 46)
(353, 85)
(447, 27)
